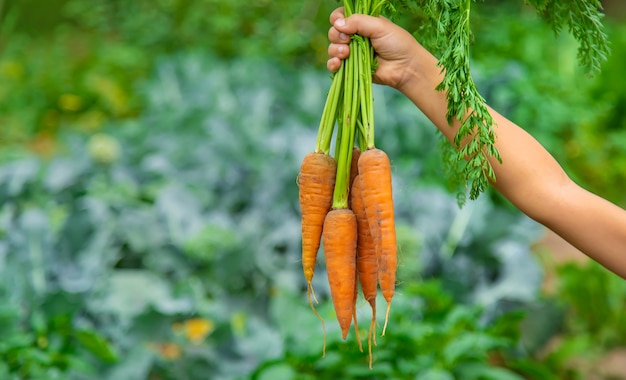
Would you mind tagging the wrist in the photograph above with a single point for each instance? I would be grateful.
(421, 75)
(419, 84)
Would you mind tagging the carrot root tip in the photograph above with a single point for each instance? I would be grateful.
(386, 318)
(309, 294)
(356, 332)
(344, 334)
(371, 335)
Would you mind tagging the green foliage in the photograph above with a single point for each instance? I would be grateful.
(596, 299)
(430, 336)
(227, 28)
(190, 212)
(583, 19)
(183, 207)
(449, 35)
(78, 69)
(593, 299)
(533, 79)
(465, 161)
(65, 80)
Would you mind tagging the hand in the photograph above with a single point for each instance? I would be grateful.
(397, 51)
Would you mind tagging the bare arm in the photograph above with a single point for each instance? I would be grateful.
(528, 176)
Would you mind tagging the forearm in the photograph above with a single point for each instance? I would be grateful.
(590, 223)
(530, 177)
(538, 186)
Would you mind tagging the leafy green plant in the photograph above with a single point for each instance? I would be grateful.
(449, 27)
(592, 300)
(78, 69)
(231, 29)
(430, 336)
(538, 85)
(89, 56)
(166, 200)
(157, 221)
(596, 299)
(581, 288)
(59, 83)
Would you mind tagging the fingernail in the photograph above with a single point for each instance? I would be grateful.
(344, 37)
(340, 22)
(341, 49)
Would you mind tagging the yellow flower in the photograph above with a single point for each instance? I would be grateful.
(197, 329)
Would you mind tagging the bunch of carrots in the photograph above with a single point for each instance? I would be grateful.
(346, 199)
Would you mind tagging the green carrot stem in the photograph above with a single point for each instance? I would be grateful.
(365, 91)
(367, 95)
(348, 8)
(339, 137)
(345, 140)
(350, 103)
(377, 8)
(361, 132)
(329, 114)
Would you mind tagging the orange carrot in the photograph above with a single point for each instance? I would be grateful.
(339, 239)
(354, 171)
(366, 261)
(316, 182)
(354, 164)
(375, 173)
(354, 298)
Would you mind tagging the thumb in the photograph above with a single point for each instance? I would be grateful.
(363, 25)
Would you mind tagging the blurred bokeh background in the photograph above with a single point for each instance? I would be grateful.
(149, 225)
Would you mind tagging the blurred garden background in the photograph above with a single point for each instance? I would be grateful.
(149, 222)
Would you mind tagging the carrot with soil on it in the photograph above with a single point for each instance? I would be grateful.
(366, 260)
(375, 173)
(375, 177)
(339, 232)
(354, 171)
(354, 164)
(316, 183)
(350, 104)
(339, 239)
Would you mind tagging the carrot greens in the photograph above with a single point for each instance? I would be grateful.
(350, 103)
(448, 25)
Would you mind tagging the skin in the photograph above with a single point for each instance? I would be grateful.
(528, 176)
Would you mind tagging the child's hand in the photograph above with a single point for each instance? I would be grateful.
(396, 49)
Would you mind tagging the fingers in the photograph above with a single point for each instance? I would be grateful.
(333, 64)
(338, 48)
(336, 14)
(367, 26)
(364, 25)
(337, 37)
(339, 34)
(341, 51)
